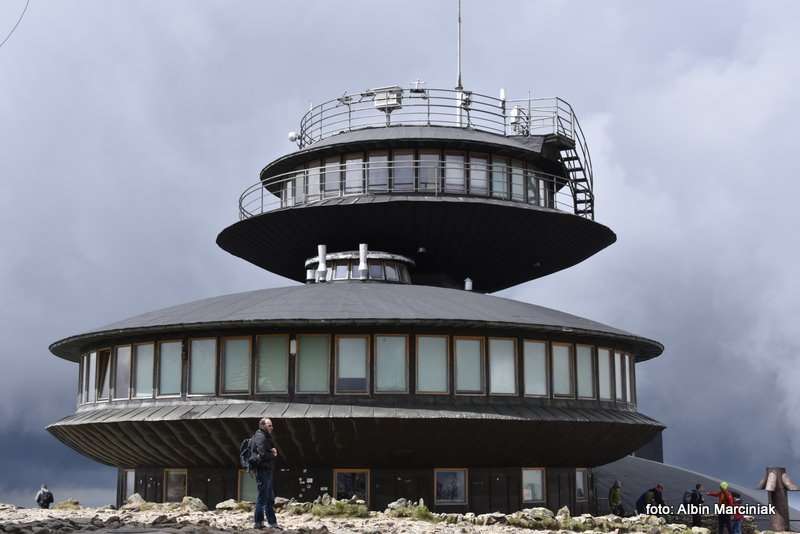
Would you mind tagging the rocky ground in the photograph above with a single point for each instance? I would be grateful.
(324, 516)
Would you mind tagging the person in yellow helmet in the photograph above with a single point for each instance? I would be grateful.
(725, 499)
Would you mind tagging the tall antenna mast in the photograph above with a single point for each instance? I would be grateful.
(459, 86)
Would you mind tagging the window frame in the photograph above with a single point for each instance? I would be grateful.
(465, 470)
(619, 389)
(632, 378)
(515, 361)
(255, 358)
(115, 356)
(249, 366)
(611, 390)
(216, 371)
(98, 387)
(367, 364)
(593, 374)
(375, 364)
(157, 367)
(185, 472)
(368, 472)
(543, 471)
(134, 370)
(417, 366)
(454, 189)
(547, 370)
(483, 390)
(571, 359)
(487, 170)
(297, 358)
(585, 472)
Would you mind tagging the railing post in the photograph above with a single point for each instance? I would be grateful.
(262, 198)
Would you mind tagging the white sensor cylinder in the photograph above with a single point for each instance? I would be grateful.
(362, 260)
(467, 284)
(322, 251)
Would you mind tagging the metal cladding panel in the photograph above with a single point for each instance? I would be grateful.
(352, 435)
(463, 237)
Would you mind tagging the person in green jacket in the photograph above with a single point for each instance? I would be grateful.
(615, 499)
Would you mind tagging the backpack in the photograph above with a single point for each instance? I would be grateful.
(688, 497)
(246, 454)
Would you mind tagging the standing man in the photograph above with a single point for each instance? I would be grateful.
(44, 498)
(615, 499)
(263, 455)
(696, 498)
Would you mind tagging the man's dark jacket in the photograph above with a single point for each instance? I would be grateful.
(262, 450)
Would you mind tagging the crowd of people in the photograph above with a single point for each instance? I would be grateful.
(654, 497)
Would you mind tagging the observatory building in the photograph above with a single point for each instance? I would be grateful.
(388, 370)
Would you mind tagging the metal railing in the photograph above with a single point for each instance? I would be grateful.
(499, 181)
(417, 106)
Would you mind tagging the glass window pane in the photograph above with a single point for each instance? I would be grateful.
(391, 272)
(532, 485)
(332, 177)
(451, 486)
(499, 178)
(313, 176)
(248, 489)
(533, 188)
(85, 378)
(502, 366)
(580, 484)
(378, 171)
(143, 381)
(92, 376)
(432, 364)
(390, 364)
(604, 373)
(350, 483)
(103, 374)
(403, 170)
(174, 485)
(122, 373)
(535, 368)
(376, 270)
(562, 379)
(478, 175)
(354, 174)
(631, 378)
(517, 180)
(585, 371)
(351, 368)
(312, 364)
(130, 483)
(169, 368)
(454, 173)
(273, 364)
(469, 367)
(80, 380)
(300, 185)
(341, 270)
(618, 374)
(236, 365)
(429, 171)
(202, 364)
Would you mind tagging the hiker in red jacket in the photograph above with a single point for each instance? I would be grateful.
(725, 499)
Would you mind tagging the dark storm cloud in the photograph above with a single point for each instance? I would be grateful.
(128, 131)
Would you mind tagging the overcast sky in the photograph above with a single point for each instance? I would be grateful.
(129, 129)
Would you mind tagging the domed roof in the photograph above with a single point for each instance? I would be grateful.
(355, 303)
